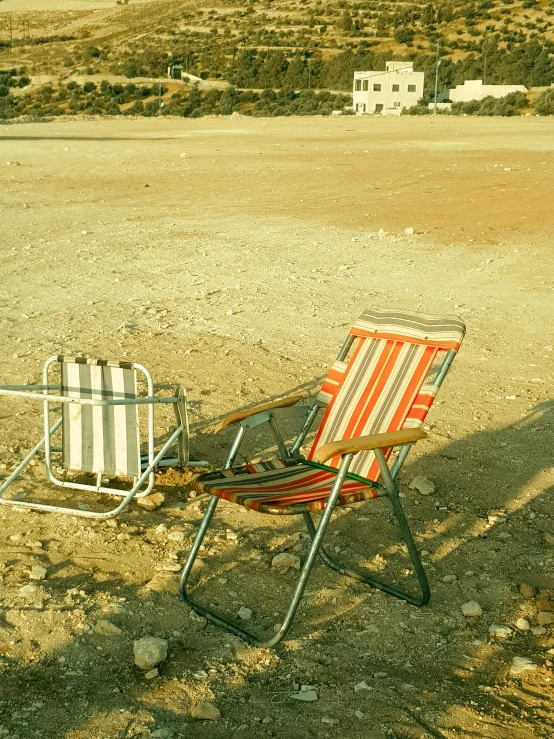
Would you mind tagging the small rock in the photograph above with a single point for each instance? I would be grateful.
(521, 664)
(381, 233)
(37, 573)
(549, 538)
(12, 164)
(179, 536)
(538, 630)
(329, 720)
(123, 536)
(231, 535)
(448, 579)
(499, 631)
(151, 502)
(526, 590)
(523, 624)
(545, 604)
(163, 582)
(380, 675)
(409, 231)
(424, 485)
(359, 714)
(285, 559)
(408, 688)
(472, 609)
(151, 674)
(27, 591)
(106, 628)
(267, 720)
(362, 686)
(206, 712)
(162, 734)
(244, 613)
(242, 652)
(308, 696)
(149, 652)
(544, 618)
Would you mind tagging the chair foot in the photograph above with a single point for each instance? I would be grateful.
(367, 579)
(223, 622)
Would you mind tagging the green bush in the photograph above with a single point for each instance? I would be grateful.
(545, 103)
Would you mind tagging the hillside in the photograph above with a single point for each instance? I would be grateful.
(296, 46)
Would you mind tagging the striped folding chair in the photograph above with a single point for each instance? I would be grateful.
(101, 431)
(375, 398)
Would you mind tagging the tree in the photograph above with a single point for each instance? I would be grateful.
(404, 35)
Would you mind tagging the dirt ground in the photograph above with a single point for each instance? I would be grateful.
(231, 255)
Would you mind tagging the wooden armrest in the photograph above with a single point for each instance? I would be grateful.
(374, 441)
(240, 415)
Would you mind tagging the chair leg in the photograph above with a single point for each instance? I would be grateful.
(423, 599)
(300, 585)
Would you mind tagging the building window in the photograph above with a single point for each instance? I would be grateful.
(396, 105)
(358, 85)
(376, 88)
(366, 85)
(396, 88)
(411, 88)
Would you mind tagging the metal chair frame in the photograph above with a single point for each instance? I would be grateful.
(388, 488)
(151, 460)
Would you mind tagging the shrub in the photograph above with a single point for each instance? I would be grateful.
(545, 103)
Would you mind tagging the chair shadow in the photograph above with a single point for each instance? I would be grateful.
(369, 633)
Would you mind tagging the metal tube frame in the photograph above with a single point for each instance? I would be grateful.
(389, 489)
(153, 461)
(305, 572)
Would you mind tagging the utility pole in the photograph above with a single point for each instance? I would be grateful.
(159, 97)
(485, 70)
(438, 61)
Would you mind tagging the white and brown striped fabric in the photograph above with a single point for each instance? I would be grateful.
(444, 332)
(381, 387)
(101, 439)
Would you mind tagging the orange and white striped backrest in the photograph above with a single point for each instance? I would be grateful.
(382, 385)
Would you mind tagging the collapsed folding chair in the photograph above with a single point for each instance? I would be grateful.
(101, 431)
(375, 397)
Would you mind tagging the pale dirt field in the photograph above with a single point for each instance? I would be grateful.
(277, 221)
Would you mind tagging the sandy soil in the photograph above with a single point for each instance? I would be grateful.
(231, 256)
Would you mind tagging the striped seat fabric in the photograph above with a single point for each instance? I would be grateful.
(381, 387)
(272, 487)
(100, 439)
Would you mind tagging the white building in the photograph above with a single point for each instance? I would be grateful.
(387, 92)
(476, 90)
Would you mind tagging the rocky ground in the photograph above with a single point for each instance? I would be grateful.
(231, 256)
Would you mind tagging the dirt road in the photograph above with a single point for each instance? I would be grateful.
(231, 255)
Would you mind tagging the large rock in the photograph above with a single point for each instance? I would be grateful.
(206, 712)
(38, 572)
(424, 485)
(472, 609)
(149, 652)
(500, 631)
(521, 664)
(151, 502)
(285, 559)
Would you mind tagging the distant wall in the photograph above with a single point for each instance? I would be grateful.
(476, 90)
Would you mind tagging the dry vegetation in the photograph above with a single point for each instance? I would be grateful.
(297, 45)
